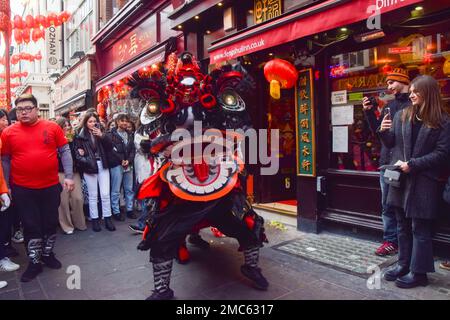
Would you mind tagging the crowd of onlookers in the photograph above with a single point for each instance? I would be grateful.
(96, 182)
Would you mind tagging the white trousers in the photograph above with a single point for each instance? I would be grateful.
(93, 181)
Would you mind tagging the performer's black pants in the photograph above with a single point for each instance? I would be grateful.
(171, 229)
(38, 210)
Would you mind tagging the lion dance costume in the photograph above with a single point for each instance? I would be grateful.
(181, 195)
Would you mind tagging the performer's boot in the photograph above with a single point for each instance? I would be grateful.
(161, 277)
(250, 269)
(48, 257)
(34, 252)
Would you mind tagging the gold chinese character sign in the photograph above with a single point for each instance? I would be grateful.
(306, 135)
(267, 9)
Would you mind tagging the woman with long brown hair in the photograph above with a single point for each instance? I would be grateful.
(91, 146)
(420, 137)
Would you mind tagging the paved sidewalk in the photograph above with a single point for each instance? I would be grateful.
(111, 268)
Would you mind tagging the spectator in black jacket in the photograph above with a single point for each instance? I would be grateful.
(398, 83)
(120, 159)
(91, 146)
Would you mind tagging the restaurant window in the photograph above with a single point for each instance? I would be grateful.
(360, 73)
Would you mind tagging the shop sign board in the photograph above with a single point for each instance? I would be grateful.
(267, 9)
(305, 124)
(75, 82)
(132, 44)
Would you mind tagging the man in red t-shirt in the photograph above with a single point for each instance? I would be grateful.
(31, 148)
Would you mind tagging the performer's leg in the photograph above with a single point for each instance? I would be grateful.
(236, 228)
(161, 275)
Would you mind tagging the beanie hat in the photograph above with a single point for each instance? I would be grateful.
(398, 74)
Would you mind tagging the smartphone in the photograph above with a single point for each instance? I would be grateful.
(387, 111)
(97, 125)
(373, 102)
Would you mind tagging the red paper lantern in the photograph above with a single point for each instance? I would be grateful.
(281, 74)
(52, 18)
(36, 34)
(38, 21)
(24, 74)
(64, 16)
(5, 22)
(18, 22)
(44, 22)
(18, 36)
(14, 59)
(26, 35)
(38, 56)
(29, 20)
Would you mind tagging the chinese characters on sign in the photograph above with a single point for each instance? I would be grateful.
(131, 45)
(306, 162)
(266, 10)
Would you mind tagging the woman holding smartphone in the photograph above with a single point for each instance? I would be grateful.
(91, 146)
(419, 138)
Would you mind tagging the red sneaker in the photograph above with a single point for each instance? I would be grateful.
(387, 249)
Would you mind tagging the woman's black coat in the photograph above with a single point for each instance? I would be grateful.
(87, 163)
(420, 194)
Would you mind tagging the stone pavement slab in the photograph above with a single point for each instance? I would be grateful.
(112, 269)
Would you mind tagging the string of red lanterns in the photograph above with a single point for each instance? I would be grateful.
(33, 28)
(15, 58)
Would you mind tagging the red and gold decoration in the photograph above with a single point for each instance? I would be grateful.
(5, 30)
(281, 74)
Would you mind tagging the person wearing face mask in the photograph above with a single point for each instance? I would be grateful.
(419, 138)
(91, 146)
(397, 83)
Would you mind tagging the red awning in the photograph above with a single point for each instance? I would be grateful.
(149, 59)
(325, 16)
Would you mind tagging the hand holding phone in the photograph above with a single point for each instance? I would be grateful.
(387, 112)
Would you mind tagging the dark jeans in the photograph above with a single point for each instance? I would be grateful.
(38, 210)
(387, 214)
(5, 231)
(415, 245)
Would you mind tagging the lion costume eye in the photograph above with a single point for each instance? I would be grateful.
(153, 108)
(231, 101)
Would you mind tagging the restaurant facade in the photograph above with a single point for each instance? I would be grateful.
(342, 51)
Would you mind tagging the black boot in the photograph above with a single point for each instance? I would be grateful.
(412, 280)
(109, 224)
(251, 271)
(96, 225)
(34, 251)
(395, 272)
(48, 257)
(161, 276)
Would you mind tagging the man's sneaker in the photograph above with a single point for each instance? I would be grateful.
(3, 284)
(165, 295)
(17, 237)
(32, 272)
(387, 249)
(254, 274)
(51, 261)
(136, 228)
(8, 265)
(197, 241)
(216, 232)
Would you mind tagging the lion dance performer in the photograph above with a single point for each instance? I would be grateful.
(185, 192)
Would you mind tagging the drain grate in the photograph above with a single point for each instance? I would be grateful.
(346, 254)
